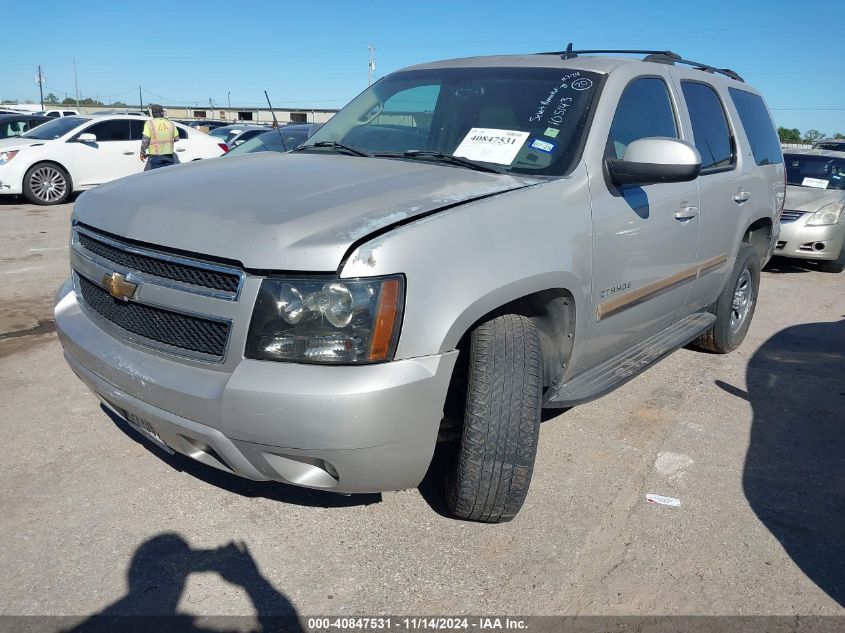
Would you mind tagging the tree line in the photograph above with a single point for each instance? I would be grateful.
(794, 135)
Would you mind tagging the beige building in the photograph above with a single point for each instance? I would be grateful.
(252, 115)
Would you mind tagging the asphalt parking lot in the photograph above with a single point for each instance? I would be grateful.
(96, 520)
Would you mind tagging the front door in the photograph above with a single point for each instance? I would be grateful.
(112, 155)
(645, 239)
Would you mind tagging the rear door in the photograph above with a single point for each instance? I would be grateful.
(642, 253)
(722, 178)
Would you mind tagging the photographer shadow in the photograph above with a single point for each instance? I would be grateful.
(793, 477)
(157, 576)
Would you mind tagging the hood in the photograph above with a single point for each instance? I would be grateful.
(293, 212)
(16, 142)
(809, 198)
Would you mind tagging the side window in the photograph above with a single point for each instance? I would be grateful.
(183, 133)
(13, 128)
(644, 110)
(755, 117)
(709, 125)
(117, 130)
(136, 130)
(69, 113)
(250, 134)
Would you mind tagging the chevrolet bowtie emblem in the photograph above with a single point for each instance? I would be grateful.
(118, 287)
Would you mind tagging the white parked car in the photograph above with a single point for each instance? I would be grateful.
(71, 154)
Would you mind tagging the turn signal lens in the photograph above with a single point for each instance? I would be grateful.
(385, 320)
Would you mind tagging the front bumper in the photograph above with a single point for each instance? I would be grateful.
(810, 242)
(348, 429)
(12, 175)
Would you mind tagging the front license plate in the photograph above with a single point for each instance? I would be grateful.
(147, 430)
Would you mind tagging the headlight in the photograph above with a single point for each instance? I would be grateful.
(5, 157)
(326, 321)
(828, 214)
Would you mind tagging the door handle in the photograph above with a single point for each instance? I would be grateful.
(180, 149)
(686, 213)
(742, 196)
(128, 153)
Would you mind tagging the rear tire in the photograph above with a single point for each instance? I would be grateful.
(493, 468)
(836, 265)
(46, 184)
(734, 309)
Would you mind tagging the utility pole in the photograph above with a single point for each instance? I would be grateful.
(229, 103)
(140, 98)
(371, 65)
(76, 82)
(40, 80)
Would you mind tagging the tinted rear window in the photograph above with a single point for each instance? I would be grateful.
(758, 125)
(709, 125)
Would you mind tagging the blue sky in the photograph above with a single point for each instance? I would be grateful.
(317, 56)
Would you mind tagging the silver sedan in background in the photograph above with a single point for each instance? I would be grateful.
(813, 223)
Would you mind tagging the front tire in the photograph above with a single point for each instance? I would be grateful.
(493, 468)
(734, 309)
(836, 265)
(46, 184)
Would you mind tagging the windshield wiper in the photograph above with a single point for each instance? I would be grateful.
(335, 145)
(440, 157)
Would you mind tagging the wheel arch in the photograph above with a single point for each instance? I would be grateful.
(759, 235)
(553, 311)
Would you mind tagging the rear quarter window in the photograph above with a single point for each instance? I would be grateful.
(758, 125)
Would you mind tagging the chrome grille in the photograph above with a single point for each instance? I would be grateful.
(181, 272)
(790, 216)
(167, 327)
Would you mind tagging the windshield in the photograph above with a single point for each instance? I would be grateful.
(821, 172)
(55, 128)
(222, 132)
(517, 120)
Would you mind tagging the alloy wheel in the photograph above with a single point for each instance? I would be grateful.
(48, 184)
(743, 300)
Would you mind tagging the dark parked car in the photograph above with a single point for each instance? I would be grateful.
(834, 144)
(17, 124)
(282, 140)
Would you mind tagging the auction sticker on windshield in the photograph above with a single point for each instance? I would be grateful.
(491, 146)
(819, 183)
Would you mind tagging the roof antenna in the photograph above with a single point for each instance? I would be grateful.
(276, 121)
(568, 53)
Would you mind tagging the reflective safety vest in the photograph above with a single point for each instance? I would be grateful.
(161, 133)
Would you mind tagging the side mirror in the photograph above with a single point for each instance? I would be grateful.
(652, 160)
(238, 142)
(87, 137)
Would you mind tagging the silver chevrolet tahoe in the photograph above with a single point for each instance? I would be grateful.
(464, 244)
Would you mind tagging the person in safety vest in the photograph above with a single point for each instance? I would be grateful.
(158, 137)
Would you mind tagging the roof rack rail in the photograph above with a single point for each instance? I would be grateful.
(659, 57)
